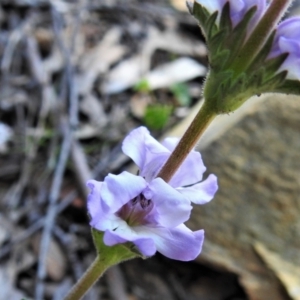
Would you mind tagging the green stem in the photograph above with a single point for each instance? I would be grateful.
(260, 35)
(187, 142)
(94, 272)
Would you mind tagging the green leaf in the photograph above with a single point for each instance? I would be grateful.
(111, 255)
(157, 116)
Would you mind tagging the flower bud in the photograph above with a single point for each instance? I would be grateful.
(287, 40)
(238, 9)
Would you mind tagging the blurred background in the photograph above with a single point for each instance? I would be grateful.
(75, 78)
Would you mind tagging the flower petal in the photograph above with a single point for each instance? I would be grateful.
(94, 203)
(170, 207)
(103, 221)
(202, 192)
(292, 65)
(117, 190)
(177, 243)
(240, 7)
(212, 5)
(190, 171)
(122, 235)
(289, 45)
(96, 208)
(287, 40)
(141, 147)
(170, 143)
(134, 145)
(289, 28)
(152, 168)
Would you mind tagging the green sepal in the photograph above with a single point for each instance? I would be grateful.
(226, 89)
(235, 40)
(223, 41)
(218, 61)
(272, 84)
(225, 20)
(210, 26)
(272, 65)
(263, 54)
(207, 21)
(227, 92)
(112, 255)
(290, 87)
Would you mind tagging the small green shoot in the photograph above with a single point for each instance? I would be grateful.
(142, 86)
(157, 116)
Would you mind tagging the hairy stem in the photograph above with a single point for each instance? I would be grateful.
(94, 272)
(187, 142)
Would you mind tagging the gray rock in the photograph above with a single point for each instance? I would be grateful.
(257, 162)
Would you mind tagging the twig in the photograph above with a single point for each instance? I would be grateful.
(81, 168)
(14, 38)
(13, 196)
(104, 165)
(37, 225)
(64, 155)
(51, 213)
(69, 69)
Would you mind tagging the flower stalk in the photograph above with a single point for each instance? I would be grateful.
(188, 141)
(94, 272)
(106, 258)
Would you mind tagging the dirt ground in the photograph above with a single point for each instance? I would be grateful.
(76, 77)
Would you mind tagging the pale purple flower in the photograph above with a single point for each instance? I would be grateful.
(287, 40)
(146, 210)
(238, 9)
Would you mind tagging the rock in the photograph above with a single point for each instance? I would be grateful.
(257, 162)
